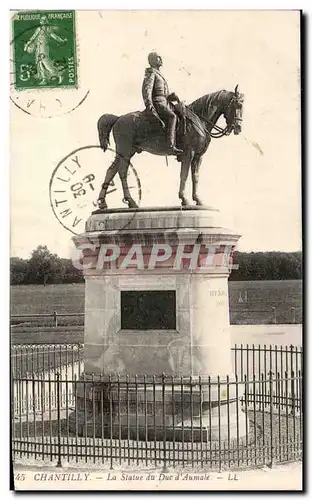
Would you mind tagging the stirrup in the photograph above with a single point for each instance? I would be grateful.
(176, 151)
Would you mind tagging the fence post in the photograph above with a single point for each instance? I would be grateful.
(58, 405)
(292, 381)
(274, 314)
(55, 318)
(271, 420)
(163, 380)
(13, 413)
(111, 429)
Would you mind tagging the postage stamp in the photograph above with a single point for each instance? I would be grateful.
(44, 50)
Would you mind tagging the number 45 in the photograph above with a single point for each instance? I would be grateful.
(19, 477)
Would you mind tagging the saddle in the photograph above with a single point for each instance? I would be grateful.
(187, 122)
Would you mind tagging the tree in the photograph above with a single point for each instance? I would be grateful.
(44, 266)
(18, 271)
(71, 274)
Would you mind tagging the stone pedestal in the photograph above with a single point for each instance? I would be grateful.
(181, 252)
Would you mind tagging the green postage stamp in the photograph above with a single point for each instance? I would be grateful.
(44, 50)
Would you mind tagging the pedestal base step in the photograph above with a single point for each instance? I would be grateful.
(145, 428)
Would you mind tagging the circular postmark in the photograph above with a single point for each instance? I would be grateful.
(76, 182)
(48, 104)
(44, 65)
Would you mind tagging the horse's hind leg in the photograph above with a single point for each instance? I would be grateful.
(123, 174)
(110, 174)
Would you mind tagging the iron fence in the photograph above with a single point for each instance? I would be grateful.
(255, 360)
(47, 358)
(160, 421)
(252, 360)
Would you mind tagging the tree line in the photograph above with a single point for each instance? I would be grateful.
(255, 266)
(44, 267)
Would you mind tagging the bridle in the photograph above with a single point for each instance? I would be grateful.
(221, 132)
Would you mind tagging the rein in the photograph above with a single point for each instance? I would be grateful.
(221, 132)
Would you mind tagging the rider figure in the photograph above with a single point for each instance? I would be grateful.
(158, 100)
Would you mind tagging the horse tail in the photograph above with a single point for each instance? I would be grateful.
(105, 125)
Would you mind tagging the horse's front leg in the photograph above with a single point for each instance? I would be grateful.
(185, 167)
(195, 165)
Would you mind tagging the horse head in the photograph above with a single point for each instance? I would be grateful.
(233, 112)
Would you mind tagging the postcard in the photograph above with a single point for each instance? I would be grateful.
(156, 267)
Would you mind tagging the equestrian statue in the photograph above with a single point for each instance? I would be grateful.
(168, 127)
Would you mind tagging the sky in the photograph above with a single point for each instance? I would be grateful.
(254, 179)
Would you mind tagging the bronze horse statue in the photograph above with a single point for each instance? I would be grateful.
(140, 131)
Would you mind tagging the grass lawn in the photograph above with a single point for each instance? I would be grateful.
(251, 302)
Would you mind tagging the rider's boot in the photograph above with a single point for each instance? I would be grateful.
(171, 138)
